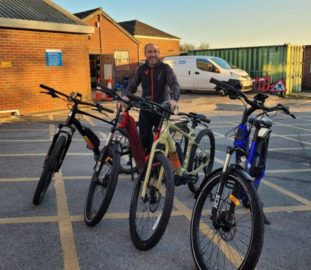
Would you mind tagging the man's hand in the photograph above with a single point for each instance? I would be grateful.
(121, 104)
(174, 105)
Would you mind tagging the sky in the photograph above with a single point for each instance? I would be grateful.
(221, 23)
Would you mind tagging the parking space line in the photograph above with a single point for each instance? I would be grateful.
(70, 256)
(290, 126)
(291, 139)
(38, 219)
(290, 208)
(8, 180)
(175, 213)
(289, 171)
(287, 148)
(226, 249)
(31, 141)
(43, 154)
(24, 129)
(287, 192)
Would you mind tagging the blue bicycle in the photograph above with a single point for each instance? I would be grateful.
(227, 226)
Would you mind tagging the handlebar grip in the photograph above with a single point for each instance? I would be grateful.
(47, 87)
(134, 97)
(106, 109)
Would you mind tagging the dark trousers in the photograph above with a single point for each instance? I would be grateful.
(147, 120)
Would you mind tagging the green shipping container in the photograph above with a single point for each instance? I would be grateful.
(282, 62)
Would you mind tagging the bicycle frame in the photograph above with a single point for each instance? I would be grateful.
(68, 130)
(163, 137)
(242, 141)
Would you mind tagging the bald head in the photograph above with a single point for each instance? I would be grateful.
(152, 53)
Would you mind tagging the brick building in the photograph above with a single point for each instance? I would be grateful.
(41, 43)
(113, 51)
(144, 33)
(306, 77)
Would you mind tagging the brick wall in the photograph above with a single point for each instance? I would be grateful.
(113, 39)
(25, 52)
(306, 78)
(167, 46)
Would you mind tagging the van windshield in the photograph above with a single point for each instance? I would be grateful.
(222, 63)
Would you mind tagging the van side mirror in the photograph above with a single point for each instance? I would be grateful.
(216, 70)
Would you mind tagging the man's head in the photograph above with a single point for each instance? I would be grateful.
(152, 53)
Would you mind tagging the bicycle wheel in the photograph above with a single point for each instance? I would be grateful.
(149, 216)
(204, 154)
(102, 187)
(48, 170)
(235, 240)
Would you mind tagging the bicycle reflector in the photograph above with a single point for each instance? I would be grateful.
(234, 200)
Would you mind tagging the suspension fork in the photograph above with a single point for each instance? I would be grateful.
(220, 188)
(104, 153)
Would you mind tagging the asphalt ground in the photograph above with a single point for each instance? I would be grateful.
(54, 236)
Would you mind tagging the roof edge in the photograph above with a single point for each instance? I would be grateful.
(46, 26)
(100, 11)
(155, 37)
(65, 12)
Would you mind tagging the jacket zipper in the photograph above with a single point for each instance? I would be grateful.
(151, 84)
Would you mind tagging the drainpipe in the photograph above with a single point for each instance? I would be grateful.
(100, 34)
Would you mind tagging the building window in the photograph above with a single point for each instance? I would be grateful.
(122, 60)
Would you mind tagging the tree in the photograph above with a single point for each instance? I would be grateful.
(203, 46)
(186, 47)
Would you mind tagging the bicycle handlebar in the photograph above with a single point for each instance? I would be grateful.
(257, 104)
(53, 92)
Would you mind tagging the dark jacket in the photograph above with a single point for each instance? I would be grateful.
(154, 82)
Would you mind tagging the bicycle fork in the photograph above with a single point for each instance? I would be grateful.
(215, 215)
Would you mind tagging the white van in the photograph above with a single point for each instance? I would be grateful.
(195, 72)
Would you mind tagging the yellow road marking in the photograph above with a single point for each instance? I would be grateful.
(70, 256)
(287, 193)
(121, 216)
(39, 219)
(292, 208)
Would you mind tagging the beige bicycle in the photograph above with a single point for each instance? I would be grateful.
(153, 194)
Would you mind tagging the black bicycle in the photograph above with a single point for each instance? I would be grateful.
(63, 137)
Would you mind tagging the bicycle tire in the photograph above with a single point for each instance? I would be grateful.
(106, 184)
(256, 232)
(195, 159)
(153, 200)
(48, 170)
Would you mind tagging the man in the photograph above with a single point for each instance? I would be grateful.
(154, 76)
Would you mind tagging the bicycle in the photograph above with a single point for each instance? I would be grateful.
(146, 196)
(108, 167)
(160, 190)
(218, 223)
(62, 139)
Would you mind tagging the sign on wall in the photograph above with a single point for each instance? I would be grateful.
(53, 57)
(122, 60)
